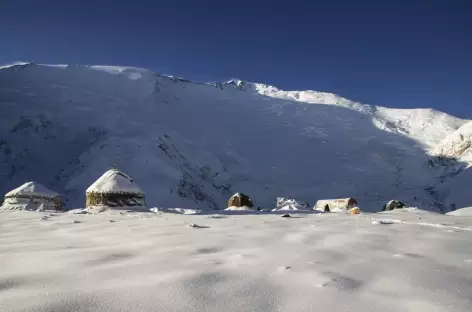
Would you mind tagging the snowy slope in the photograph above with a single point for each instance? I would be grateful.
(452, 158)
(458, 144)
(192, 145)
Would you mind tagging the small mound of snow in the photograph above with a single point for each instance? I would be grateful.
(105, 209)
(243, 208)
(462, 212)
(78, 211)
(176, 210)
(385, 221)
(184, 211)
(408, 210)
(96, 209)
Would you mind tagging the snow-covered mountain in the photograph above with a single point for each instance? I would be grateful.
(192, 144)
(457, 144)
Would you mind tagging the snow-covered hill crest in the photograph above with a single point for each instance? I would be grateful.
(457, 144)
(193, 144)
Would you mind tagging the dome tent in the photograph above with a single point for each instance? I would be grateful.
(32, 196)
(393, 204)
(283, 203)
(115, 189)
(240, 200)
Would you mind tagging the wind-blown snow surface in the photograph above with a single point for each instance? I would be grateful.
(192, 145)
(419, 262)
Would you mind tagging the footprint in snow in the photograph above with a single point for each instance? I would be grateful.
(217, 217)
(341, 282)
(408, 255)
(193, 225)
(284, 268)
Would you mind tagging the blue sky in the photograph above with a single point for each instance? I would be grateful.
(392, 53)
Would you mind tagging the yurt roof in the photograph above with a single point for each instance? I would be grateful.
(238, 194)
(339, 200)
(395, 200)
(116, 182)
(32, 189)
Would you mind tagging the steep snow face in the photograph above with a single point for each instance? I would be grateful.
(426, 126)
(453, 159)
(192, 145)
(458, 144)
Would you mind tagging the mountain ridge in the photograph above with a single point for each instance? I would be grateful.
(265, 89)
(203, 140)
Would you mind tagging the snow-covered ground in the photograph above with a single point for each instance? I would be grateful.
(409, 261)
(192, 145)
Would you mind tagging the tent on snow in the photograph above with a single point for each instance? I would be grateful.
(393, 204)
(32, 196)
(283, 203)
(115, 189)
(240, 200)
(330, 205)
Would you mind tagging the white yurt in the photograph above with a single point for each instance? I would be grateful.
(115, 189)
(32, 196)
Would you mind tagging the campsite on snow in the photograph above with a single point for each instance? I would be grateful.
(231, 196)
